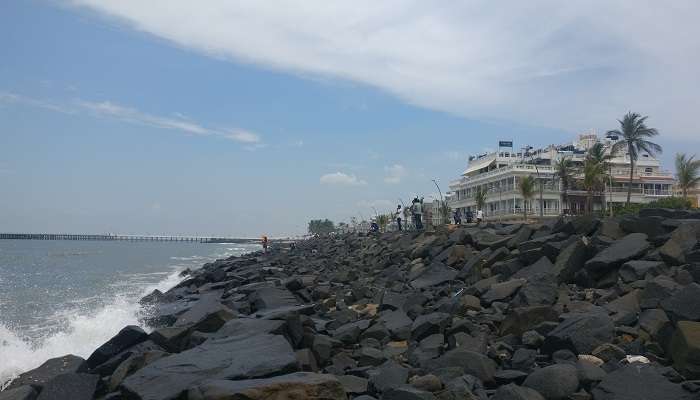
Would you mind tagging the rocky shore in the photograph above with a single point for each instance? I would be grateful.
(586, 308)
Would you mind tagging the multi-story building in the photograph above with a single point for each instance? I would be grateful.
(498, 174)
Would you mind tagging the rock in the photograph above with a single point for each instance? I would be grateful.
(608, 352)
(634, 270)
(390, 374)
(25, 392)
(624, 310)
(685, 349)
(353, 384)
(540, 289)
(501, 291)
(611, 228)
(49, 370)
(131, 364)
(522, 319)
(369, 356)
(523, 359)
(683, 305)
(653, 321)
(556, 382)
(108, 367)
(406, 393)
(580, 333)
(650, 226)
(172, 339)
(323, 348)
(70, 386)
(428, 383)
(269, 298)
(570, 260)
(589, 372)
(435, 274)
(127, 337)
(458, 253)
(515, 392)
(627, 248)
(638, 382)
(426, 325)
(467, 361)
(300, 385)
(542, 266)
(681, 242)
(397, 323)
(252, 357)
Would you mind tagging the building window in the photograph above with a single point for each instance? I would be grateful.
(648, 170)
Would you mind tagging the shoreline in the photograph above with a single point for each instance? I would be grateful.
(552, 308)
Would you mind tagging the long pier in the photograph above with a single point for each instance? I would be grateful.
(132, 238)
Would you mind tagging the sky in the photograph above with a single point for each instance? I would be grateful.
(247, 118)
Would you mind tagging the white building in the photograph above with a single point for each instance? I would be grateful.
(499, 173)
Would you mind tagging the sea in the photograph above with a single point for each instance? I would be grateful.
(69, 297)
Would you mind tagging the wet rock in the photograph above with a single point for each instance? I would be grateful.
(70, 386)
(252, 357)
(127, 337)
(49, 370)
(638, 381)
(685, 349)
(555, 382)
(300, 385)
(26, 392)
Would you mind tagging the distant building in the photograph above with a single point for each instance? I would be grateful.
(499, 173)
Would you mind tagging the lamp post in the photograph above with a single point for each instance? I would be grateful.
(442, 203)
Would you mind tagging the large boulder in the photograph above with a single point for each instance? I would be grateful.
(631, 246)
(299, 385)
(48, 370)
(428, 324)
(269, 298)
(25, 392)
(683, 305)
(70, 386)
(468, 362)
(570, 260)
(681, 242)
(388, 375)
(580, 333)
(555, 382)
(127, 337)
(685, 349)
(502, 291)
(248, 358)
(515, 392)
(523, 319)
(435, 274)
(639, 382)
(397, 323)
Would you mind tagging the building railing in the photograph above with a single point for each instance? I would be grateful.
(639, 173)
(543, 169)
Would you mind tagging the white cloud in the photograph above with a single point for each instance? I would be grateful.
(340, 178)
(574, 65)
(395, 173)
(134, 116)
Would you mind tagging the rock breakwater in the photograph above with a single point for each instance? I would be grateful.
(582, 308)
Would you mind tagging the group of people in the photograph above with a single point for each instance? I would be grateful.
(416, 212)
(468, 215)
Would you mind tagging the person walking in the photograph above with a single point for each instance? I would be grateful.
(398, 216)
(264, 243)
(479, 216)
(458, 217)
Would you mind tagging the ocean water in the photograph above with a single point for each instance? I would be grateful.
(69, 297)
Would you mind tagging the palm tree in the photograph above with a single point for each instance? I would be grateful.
(565, 170)
(633, 135)
(594, 173)
(687, 172)
(527, 190)
(480, 198)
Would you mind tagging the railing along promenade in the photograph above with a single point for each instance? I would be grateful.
(133, 238)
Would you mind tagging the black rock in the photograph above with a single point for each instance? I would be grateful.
(515, 392)
(127, 337)
(683, 305)
(435, 274)
(25, 392)
(468, 362)
(248, 358)
(426, 325)
(300, 385)
(580, 333)
(388, 375)
(49, 370)
(407, 393)
(556, 382)
(639, 382)
(70, 386)
(631, 246)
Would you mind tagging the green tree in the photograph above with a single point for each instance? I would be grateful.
(321, 227)
(480, 198)
(687, 172)
(594, 174)
(527, 190)
(634, 135)
(383, 221)
(565, 170)
(445, 212)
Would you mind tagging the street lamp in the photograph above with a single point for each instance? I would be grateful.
(442, 203)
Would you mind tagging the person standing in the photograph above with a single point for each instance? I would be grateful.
(398, 216)
(458, 217)
(264, 243)
(417, 210)
(479, 216)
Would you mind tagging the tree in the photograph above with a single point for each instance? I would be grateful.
(383, 221)
(527, 190)
(445, 212)
(687, 172)
(565, 170)
(633, 134)
(321, 227)
(594, 173)
(480, 198)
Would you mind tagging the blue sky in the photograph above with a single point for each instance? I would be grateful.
(120, 116)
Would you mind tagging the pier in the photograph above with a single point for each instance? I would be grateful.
(132, 238)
